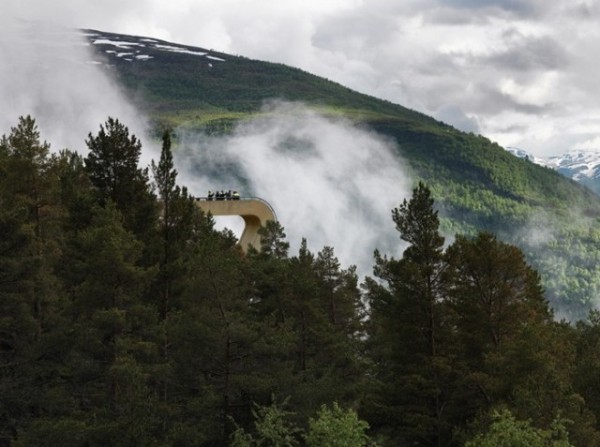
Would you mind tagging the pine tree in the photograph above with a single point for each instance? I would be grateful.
(212, 332)
(112, 165)
(176, 225)
(494, 294)
(409, 336)
(113, 341)
(31, 302)
(175, 231)
(337, 329)
(512, 352)
(31, 183)
(76, 192)
(310, 312)
(272, 240)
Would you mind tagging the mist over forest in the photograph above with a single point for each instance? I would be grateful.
(129, 319)
(411, 291)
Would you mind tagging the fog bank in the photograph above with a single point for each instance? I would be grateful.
(327, 179)
(50, 72)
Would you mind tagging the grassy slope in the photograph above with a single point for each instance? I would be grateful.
(477, 184)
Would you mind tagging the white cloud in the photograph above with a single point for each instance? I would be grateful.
(327, 180)
(48, 73)
(522, 65)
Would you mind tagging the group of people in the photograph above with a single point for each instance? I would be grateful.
(223, 195)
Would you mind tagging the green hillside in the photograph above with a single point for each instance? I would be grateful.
(476, 184)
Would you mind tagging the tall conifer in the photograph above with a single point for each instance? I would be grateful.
(408, 333)
(112, 165)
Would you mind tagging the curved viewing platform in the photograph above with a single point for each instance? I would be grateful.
(256, 212)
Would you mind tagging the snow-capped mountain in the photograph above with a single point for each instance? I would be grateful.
(521, 153)
(581, 165)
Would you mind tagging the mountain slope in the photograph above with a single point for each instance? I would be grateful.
(175, 80)
(203, 89)
(476, 183)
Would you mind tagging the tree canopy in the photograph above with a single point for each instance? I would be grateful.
(127, 319)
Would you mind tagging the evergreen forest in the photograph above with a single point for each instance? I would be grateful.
(127, 319)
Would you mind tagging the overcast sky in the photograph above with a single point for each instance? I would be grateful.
(524, 73)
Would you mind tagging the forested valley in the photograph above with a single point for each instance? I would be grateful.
(127, 319)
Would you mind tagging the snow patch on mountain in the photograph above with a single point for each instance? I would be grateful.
(141, 49)
(182, 50)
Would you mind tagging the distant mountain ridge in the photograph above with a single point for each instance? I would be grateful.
(581, 165)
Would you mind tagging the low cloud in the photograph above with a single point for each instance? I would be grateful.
(50, 73)
(502, 62)
(454, 116)
(568, 267)
(328, 180)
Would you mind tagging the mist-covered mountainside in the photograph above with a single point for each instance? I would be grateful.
(477, 184)
(581, 165)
